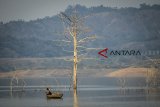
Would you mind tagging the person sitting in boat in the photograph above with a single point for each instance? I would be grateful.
(48, 92)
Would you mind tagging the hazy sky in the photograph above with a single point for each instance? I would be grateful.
(33, 9)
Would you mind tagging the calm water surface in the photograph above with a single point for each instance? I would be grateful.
(92, 92)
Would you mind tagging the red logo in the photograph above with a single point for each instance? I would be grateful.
(103, 53)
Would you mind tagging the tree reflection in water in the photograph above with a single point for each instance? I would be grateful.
(75, 99)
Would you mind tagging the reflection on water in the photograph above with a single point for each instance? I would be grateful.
(82, 98)
(17, 94)
(75, 99)
(89, 94)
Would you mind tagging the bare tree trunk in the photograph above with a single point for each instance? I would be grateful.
(75, 58)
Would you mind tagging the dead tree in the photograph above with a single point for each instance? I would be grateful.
(153, 73)
(74, 27)
(17, 83)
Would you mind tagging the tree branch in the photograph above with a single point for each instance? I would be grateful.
(87, 39)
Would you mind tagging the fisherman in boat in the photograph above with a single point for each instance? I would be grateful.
(48, 92)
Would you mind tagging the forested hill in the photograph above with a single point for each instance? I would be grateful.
(118, 28)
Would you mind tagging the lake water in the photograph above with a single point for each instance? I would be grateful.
(91, 92)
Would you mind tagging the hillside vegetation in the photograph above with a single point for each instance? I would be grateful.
(34, 45)
(137, 28)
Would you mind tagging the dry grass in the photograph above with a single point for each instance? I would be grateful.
(130, 72)
(126, 72)
(36, 73)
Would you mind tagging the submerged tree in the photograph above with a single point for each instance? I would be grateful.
(16, 82)
(152, 79)
(73, 26)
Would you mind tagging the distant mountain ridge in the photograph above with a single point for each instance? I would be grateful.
(137, 28)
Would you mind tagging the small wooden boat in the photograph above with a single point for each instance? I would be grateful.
(56, 95)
